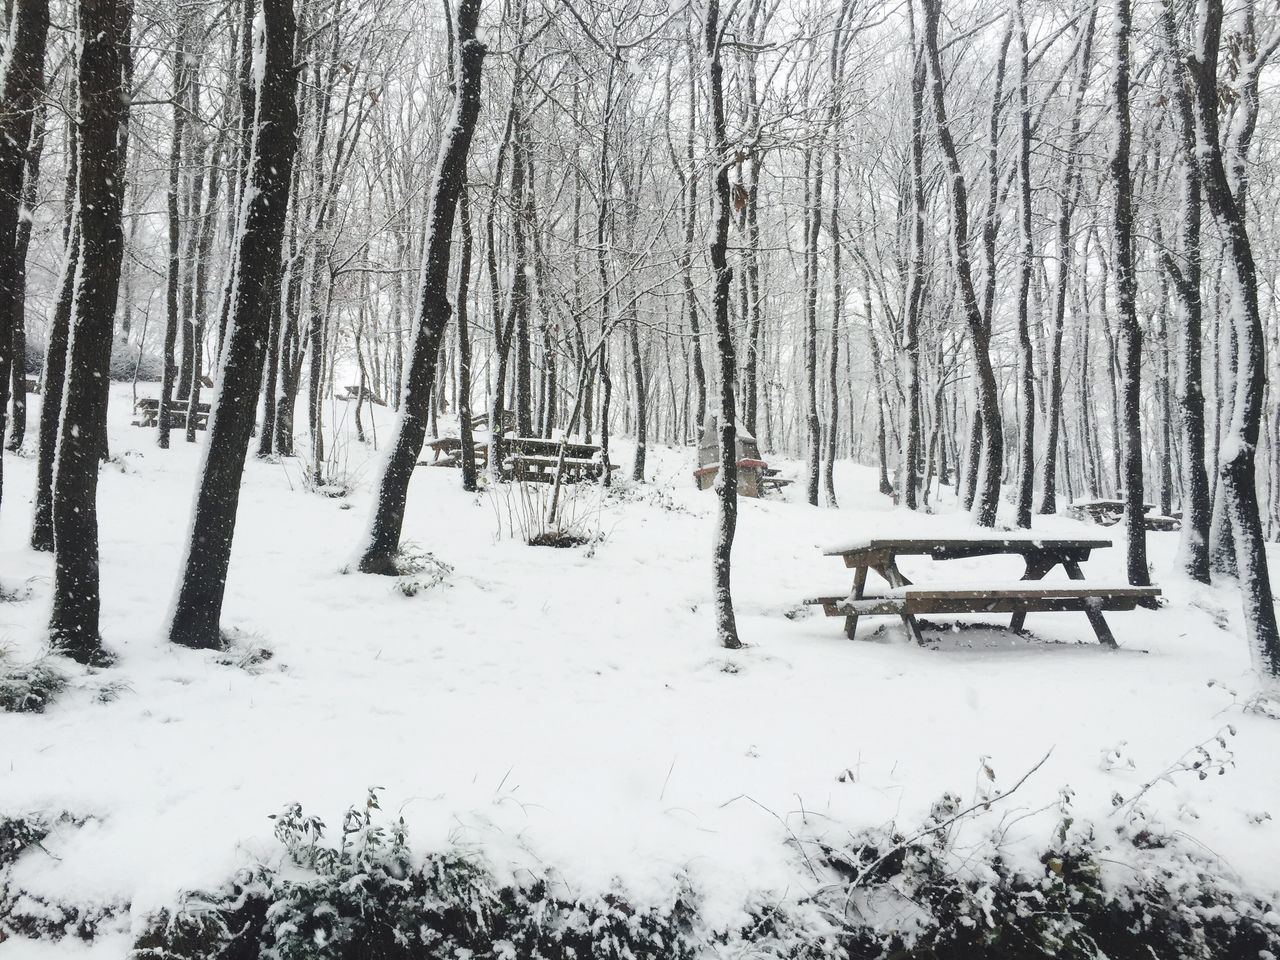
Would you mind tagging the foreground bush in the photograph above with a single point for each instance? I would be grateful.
(1118, 894)
(884, 896)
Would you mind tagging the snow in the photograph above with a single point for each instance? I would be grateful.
(568, 710)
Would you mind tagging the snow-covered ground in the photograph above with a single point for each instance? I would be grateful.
(568, 710)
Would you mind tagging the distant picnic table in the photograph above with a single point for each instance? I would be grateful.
(531, 459)
(1040, 554)
(1108, 512)
(447, 452)
(147, 413)
(535, 459)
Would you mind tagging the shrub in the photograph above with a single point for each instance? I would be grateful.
(28, 687)
(364, 899)
(523, 512)
(884, 895)
(17, 834)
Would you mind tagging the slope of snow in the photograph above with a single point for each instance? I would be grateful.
(567, 710)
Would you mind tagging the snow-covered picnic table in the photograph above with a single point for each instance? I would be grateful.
(1108, 512)
(448, 452)
(1041, 555)
(538, 458)
(147, 413)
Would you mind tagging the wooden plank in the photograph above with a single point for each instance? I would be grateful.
(923, 546)
(895, 606)
(1024, 590)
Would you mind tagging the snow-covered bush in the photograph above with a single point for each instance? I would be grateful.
(28, 687)
(416, 570)
(17, 834)
(364, 899)
(420, 570)
(1093, 894)
(523, 512)
(33, 916)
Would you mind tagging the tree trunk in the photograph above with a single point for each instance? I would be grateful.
(173, 280)
(908, 495)
(1126, 305)
(30, 196)
(21, 87)
(379, 551)
(690, 183)
(73, 620)
(1068, 197)
(468, 452)
(55, 356)
(987, 494)
(813, 206)
(1193, 545)
(1026, 359)
(727, 479)
(198, 607)
(1240, 441)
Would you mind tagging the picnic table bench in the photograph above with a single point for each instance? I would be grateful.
(542, 469)
(355, 392)
(536, 458)
(448, 452)
(1029, 595)
(771, 478)
(147, 413)
(481, 421)
(1108, 512)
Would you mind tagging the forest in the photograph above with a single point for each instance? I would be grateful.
(991, 276)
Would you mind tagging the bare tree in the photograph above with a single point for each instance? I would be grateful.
(101, 113)
(378, 553)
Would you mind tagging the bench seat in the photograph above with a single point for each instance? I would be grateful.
(1018, 598)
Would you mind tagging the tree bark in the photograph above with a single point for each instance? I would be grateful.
(30, 196)
(1068, 197)
(468, 452)
(1026, 359)
(101, 112)
(198, 607)
(55, 356)
(908, 495)
(987, 494)
(383, 541)
(21, 87)
(173, 280)
(813, 206)
(1240, 441)
(1193, 545)
(1126, 305)
(727, 479)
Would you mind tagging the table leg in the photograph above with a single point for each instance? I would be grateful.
(891, 574)
(859, 587)
(913, 628)
(1037, 567)
(1096, 619)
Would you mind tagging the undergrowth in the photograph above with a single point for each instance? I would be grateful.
(1095, 893)
(37, 917)
(28, 687)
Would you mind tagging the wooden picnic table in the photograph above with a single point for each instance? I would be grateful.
(536, 458)
(450, 449)
(481, 421)
(147, 410)
(1040, 554)
(1108, 512)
